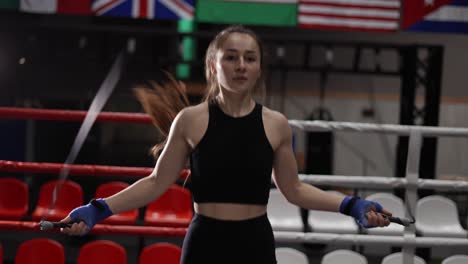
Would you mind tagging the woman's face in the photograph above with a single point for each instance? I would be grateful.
(237, 65)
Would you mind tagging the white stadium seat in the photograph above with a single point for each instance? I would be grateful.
(342, 256)
(290, 256)
(397, 258)
(283, 215)
(456, 259)
(331, 222)
(438, 216)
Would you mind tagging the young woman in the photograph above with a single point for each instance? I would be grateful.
(235, 146)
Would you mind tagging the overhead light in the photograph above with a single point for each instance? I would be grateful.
(83, 41)
(131, 45)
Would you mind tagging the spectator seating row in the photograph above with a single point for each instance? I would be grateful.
(340, 256)
(173, 208)
(437, 216)
(44, 250)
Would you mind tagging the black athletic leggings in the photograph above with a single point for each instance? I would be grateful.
(209, 240)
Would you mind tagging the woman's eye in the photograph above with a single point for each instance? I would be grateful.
(230, 57)
(251, 59)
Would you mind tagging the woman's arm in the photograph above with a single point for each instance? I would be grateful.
(285, 176)
(307, 196)
(142, 192)
(166, 172)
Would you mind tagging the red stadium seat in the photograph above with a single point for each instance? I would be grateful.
(40, 250)
(173, 208)
(125, 218)
(102, 252)
(69, 196)
(164, 253)
(14, 199)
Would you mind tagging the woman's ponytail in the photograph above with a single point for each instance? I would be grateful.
(162, 102)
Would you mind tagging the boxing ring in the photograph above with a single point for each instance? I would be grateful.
(411, 183)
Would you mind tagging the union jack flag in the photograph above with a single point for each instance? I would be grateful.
(150, 9)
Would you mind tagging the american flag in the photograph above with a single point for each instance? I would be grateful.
(353, 15)
(159, 9)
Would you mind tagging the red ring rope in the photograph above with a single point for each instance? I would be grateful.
(72, 115)
(101, 229)
(76, 169)
(85, 170)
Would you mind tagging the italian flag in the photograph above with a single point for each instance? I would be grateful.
(75, 7)
(251, 12)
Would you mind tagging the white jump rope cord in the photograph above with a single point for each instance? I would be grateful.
(102, 95)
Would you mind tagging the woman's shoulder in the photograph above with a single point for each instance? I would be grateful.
(193, 121)
(276, 127)
(195, 110)
(274, 117)
(194, 113)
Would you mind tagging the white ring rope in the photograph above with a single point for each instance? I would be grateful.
(408, 241)
(318, 125)
(376, 182)
(348, 239)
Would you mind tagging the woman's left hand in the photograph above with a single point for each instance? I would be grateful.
(368, 214)
(376, 218)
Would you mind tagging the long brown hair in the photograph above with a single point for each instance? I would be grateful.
(210, 58)
(162, 102)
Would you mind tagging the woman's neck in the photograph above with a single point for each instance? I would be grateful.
(235, 106)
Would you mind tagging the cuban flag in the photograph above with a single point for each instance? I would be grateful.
(149, 9)
(436, 16)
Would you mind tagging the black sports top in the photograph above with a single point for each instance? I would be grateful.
(233, 161)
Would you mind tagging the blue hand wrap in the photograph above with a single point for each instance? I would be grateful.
(358, 208)
(92, 213)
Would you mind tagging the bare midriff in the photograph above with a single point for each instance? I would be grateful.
(230, 211)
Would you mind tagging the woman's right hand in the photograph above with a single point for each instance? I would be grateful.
(83, 218)
(76, 229)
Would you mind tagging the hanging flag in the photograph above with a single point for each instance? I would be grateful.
(253, 12)
(350, 15)
(74, 7)
(39, 6)
(436, 16)
(9, 4)
(150, 9)
(175, 9)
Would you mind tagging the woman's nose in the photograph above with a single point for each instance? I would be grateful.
(241, 64)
